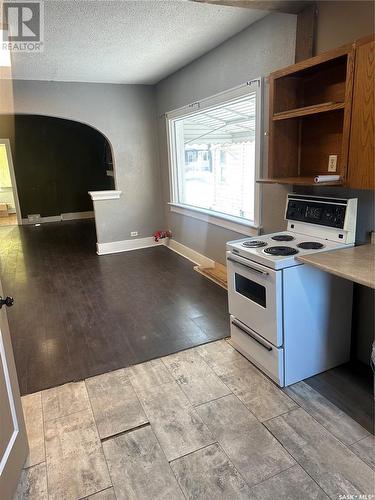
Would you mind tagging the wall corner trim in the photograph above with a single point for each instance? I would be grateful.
(126, 245)
(105, 195)
(189, 253)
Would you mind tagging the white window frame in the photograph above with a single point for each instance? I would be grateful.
(238, 224)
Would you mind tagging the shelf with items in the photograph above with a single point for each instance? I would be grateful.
(304, 145)
(299, 181)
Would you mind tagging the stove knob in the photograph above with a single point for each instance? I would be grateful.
(329, 215)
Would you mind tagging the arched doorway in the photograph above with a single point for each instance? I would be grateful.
(56, 162)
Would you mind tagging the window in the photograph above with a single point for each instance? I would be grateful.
(214, 148)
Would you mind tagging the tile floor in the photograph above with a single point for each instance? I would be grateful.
(200, 424)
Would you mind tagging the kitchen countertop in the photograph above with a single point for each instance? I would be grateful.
(355, 263)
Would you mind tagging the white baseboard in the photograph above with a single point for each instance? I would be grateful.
(126, 245)
(78, 215)
(61, 217)
(42, 220)
(136, 244)
(189, 253)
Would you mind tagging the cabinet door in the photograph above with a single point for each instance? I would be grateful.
(361, 150)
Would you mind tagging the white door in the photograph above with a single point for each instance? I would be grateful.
(13, 441)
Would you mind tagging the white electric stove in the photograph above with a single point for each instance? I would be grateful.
(290, 319)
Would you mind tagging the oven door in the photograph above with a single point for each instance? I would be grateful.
(255, 297)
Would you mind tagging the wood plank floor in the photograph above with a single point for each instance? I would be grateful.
(9, 220)
(77, 314)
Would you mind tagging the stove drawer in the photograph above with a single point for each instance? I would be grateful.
(265, 356)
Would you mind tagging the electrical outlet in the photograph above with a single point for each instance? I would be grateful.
(332, 163)
(134, 233)
(33, 217)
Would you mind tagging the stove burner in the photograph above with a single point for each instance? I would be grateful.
(254, 244)
(310, 245)
(282, 237)
(283, 251)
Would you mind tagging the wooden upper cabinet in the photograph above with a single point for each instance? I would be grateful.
(310, 107)
(361, 171)
(322, 109)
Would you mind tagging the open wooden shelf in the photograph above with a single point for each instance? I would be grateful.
(301, 181)
(308, 110)
(310, 106)
(322, 110)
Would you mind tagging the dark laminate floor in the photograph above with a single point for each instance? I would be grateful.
(77, 314)
(351, 388)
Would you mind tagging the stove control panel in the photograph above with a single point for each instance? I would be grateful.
(327, 218)
(317, 212)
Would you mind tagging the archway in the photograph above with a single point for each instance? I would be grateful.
(56, 162)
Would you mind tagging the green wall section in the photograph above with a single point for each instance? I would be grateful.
(56, 163)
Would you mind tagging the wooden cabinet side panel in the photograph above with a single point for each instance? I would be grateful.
(361, 151)
(271, 154)
(283, 142)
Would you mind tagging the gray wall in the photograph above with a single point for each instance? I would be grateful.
(260, 49)
(342, 22)
(125, 114)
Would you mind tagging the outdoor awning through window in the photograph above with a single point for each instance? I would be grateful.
(230, 123)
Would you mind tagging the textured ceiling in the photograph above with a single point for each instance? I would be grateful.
(127, 41)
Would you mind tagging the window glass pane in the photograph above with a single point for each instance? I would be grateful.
(250, 289)
(215, 156)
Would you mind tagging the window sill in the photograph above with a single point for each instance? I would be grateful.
(227, 222)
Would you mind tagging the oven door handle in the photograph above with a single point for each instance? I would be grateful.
(264, 273)
(250, 334)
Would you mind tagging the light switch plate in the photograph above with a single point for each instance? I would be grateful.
(332, 163)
